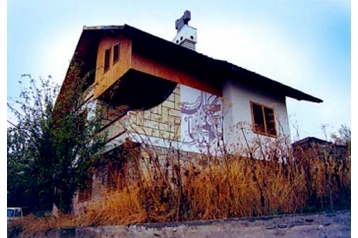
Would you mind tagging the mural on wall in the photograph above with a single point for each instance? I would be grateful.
(201, 121)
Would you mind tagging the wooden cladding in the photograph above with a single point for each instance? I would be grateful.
(160, 70)
(116, 57)
(113, 61)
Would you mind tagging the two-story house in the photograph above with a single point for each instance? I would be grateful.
(166, 94)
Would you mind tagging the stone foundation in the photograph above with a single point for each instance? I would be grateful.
(331, 225)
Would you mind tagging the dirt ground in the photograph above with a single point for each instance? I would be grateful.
(330, 225)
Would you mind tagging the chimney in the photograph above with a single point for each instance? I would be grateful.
(186, 35)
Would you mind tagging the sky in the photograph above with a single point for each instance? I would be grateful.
(304, 44)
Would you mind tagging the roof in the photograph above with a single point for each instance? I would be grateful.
(310, 139)
(213, 70)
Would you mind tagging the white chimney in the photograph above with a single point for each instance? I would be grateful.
(186, 35)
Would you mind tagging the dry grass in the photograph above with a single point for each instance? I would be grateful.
(119, 207)
(232, 186)
(31, 224)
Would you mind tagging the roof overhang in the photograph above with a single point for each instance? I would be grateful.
(212, 70)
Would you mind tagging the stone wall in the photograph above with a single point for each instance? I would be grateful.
(162, 121)
(321, 225)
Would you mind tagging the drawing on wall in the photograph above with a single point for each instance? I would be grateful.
(201, 120)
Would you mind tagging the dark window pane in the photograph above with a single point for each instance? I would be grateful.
(115, 53)
(270, 121)
(81, 120)
(258, 118)
(85, 193)
(112, 175)
(115, 175)
(107, 56)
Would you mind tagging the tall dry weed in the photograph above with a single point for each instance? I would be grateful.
(118, 207)
(172, 188)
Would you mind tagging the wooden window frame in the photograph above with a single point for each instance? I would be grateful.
(265, 131)
(107, 59)
(85, 194)
(115, 173)
(82, 119)
(112, 176)
(116, 53)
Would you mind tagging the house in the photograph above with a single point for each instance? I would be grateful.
(168, 95)
(322, 149)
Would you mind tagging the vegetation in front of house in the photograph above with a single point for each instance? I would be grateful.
(49, 144)
(229, 186)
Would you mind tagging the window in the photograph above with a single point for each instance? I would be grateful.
(85, 193)
(81, 120)
(263, 119)
(115, 176)
(115, 53)
(107, 57)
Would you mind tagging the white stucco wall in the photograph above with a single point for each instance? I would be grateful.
(201, 129)
(238, 133)
(209, 123)
(201, 121)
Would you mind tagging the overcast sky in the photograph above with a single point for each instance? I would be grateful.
(304, 44)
